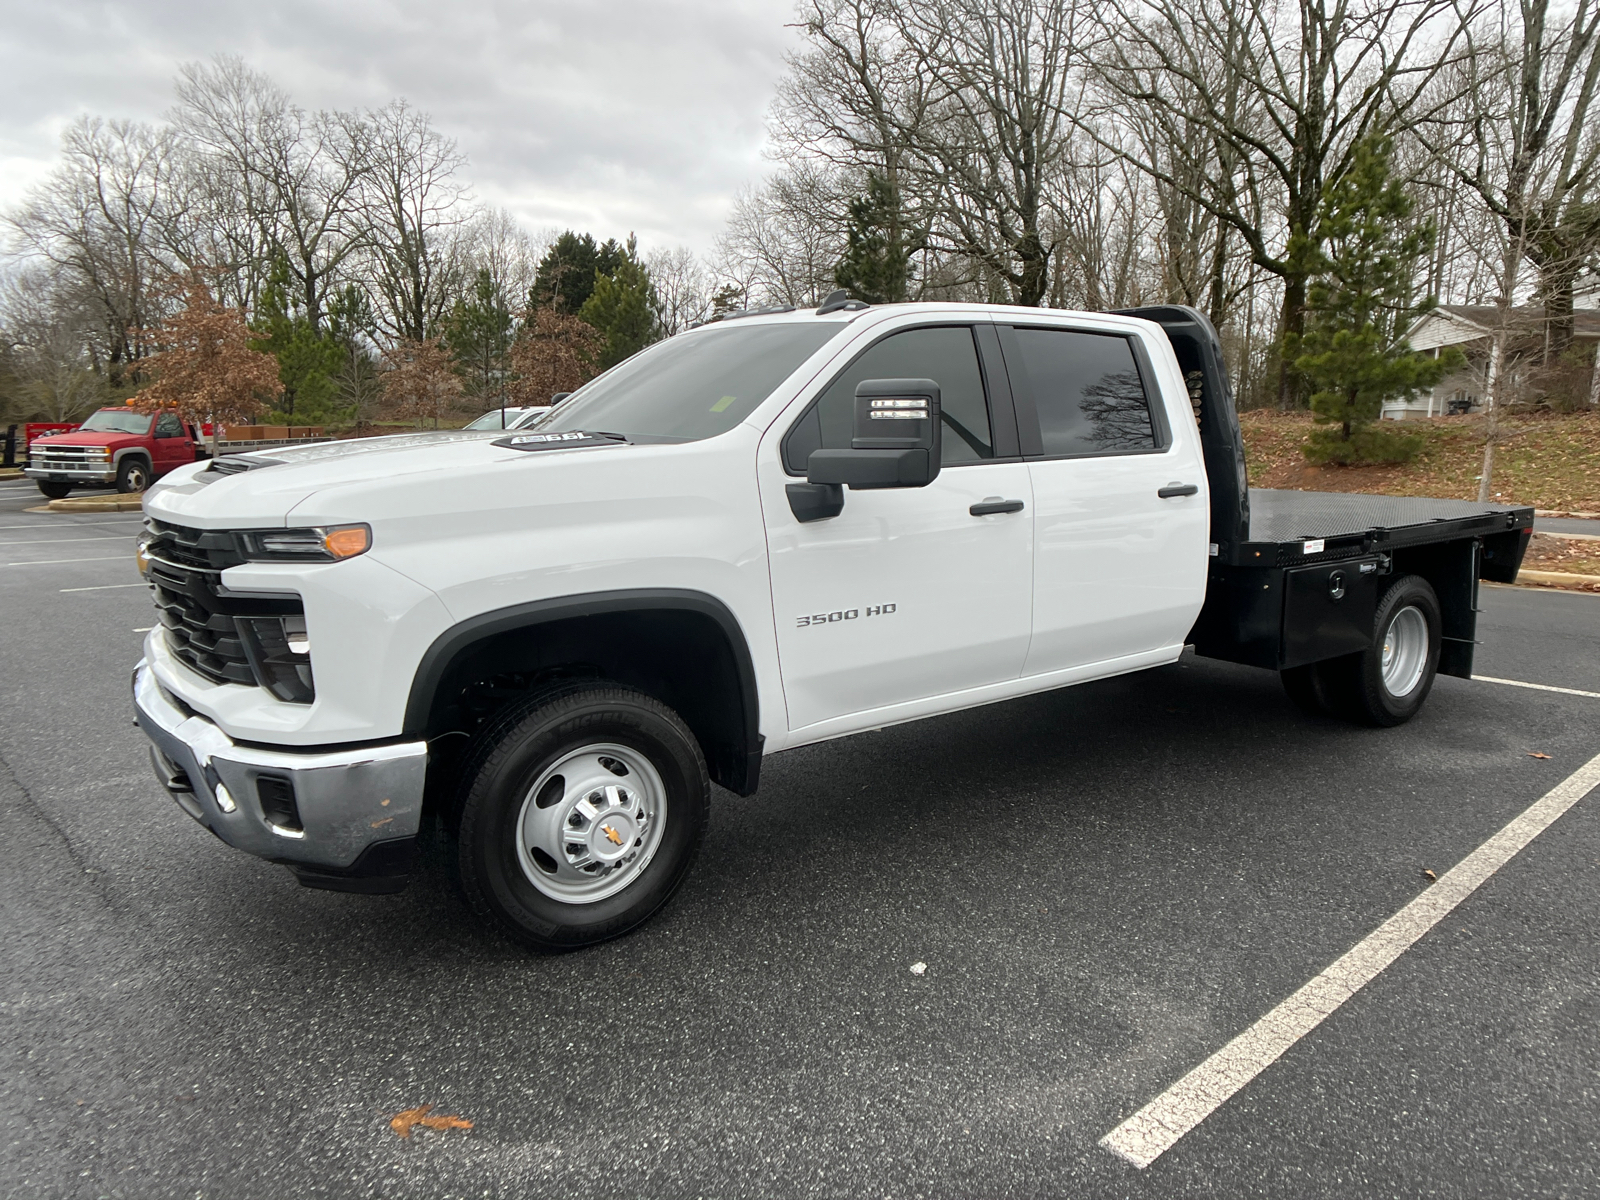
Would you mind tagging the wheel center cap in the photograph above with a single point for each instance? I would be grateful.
(612, 835)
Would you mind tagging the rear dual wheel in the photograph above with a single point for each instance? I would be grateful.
(581, 812)
(1387, 683)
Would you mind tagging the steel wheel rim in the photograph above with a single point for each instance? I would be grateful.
(600, 823)
(136, 479)
(1405, 651)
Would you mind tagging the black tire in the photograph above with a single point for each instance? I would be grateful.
(55, 491)
(1357, 681)
(133, 474)
(509, 757)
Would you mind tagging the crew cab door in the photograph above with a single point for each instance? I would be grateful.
(1119, 567)
(907, 594)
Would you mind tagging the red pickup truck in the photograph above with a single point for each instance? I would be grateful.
(116, 446)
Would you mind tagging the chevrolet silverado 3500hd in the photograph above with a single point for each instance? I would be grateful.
(775, 529)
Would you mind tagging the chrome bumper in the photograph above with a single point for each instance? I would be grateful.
(72, 474)
(345, 802)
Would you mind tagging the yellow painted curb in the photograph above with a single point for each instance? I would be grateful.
(131, 502)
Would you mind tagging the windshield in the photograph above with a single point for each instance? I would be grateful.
(117, 420)
(491, 419)
(692, 387)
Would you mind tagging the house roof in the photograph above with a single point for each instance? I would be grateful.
(1452, 324)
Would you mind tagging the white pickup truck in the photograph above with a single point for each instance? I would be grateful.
(779, 528)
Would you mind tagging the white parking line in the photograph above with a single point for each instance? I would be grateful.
(38, 525)
(47, 562)
(105, 587)
(1156, 1127)
(109, 537)
(1541, 687)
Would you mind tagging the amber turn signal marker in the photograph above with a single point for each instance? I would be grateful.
(347, 542)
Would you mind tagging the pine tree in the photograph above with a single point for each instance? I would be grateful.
(1353, 353)
(479, 331)
(623, 308)
(309, 359)
(876, 266)
(566, 274)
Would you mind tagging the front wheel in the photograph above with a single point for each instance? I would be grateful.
(581, 812)
(133, 475)
(54, 491)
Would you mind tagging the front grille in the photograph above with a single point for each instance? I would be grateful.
(66, 458)
(202, 549)
(198, 614)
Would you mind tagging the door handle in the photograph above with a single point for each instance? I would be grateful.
(995, 505)
(1178, 489)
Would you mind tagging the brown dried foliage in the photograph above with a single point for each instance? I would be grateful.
(205, 369)
(403, 1123)
(420, 384)
(555, 353)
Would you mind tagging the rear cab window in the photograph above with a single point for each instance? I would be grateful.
(1089, 393)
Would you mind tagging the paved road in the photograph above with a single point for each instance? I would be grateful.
(1567, 525)
(1106, 884)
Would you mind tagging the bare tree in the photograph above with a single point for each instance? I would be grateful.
(784, 239)
(97, 217)
(50, 340)
(411, 206)
(683, 288)
(492, 239)
(1261, 105)
(1529, 157)
(959, 105)
(302, 175)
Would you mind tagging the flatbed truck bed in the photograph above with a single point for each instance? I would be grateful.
(1296, 577)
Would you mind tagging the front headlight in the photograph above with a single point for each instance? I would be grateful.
(324, 544)
(141, 553)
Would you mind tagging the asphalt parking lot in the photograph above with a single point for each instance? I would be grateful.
(1106, 884)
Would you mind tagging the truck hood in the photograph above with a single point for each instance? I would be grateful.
(91, 437)
(262, 487)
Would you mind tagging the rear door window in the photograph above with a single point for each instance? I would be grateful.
(945, 354)
(1087, 391)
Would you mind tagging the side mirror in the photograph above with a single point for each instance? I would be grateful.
(896, 442)
(558, 397)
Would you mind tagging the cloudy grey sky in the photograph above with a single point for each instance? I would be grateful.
(610, 115)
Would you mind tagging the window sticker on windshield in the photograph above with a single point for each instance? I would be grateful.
(573, 440)
(722, 405)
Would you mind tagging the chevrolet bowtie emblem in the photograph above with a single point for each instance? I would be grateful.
(611, 835)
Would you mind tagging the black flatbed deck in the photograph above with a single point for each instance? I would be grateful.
(1283, 522)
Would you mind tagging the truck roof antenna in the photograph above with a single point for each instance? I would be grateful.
(840, 301)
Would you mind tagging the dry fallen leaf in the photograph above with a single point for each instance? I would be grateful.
(1430, 875)
(402, 1123)
(1536, 754)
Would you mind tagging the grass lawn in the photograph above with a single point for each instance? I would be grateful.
(1551, 461)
